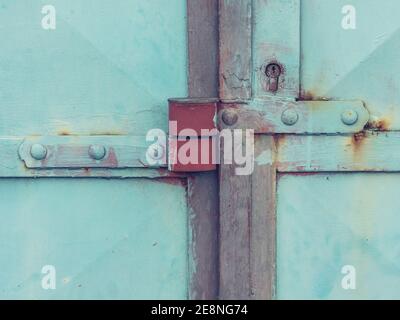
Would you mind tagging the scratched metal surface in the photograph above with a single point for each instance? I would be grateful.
(107, 239)
(353, 64)
(107, 69)
(327, 221)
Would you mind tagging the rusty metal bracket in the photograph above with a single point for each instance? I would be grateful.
(194, 120)
(52, 152)
(269, 116)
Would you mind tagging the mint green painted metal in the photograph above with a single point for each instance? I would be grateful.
(353, 64)
(106, 70)
(329, 221)
(108, 67)
(107, 239)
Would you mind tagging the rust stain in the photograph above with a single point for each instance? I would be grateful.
(165, 173)
(279, 139)
(173, 181)
(357, 143)
(64, 133)
(112, 160)
(306, 96)
(379, 125)
(86, 172)
(299, 174)
(108, 133)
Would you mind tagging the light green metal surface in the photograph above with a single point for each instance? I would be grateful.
(359, 63)
(107, 68)
(107, 239)
(329, 221)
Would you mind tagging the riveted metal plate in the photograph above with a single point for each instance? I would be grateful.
(297, 117)
(75, 152)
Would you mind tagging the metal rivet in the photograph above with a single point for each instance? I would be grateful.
(290, 117)
(97, 152)
(155, 152)
(230, 117)
(38, 151)
(349, 117)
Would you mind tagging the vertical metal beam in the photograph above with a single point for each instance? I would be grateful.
(235, 191)
(203, 187)
(248, 227)
(203, 48)
(247, 203)
(263, 220)
(235, 49)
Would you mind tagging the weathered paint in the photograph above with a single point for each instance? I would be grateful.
(314, 117)
(364, 151)
(192, 128)
(107, 70)
(328, 221)
(353, 64)
(109, 67)
(276, 39)
(108, 239)
(73, 152)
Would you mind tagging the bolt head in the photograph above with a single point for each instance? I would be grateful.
(38, 151)
(230, 117)
(290, 117)
(97, 152)
(156, 152)
(349, 117)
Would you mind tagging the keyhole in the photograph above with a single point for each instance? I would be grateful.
(273, 71)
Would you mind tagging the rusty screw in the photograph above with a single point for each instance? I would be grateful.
(97, 152)
(230, 117)
(349, 117)
(38, 151)
(290, 117)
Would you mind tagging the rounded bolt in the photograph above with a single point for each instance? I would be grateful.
(38, 151)
(290, 117)
(349, 117)
(155, 152)
(230, 117)
(97, 152)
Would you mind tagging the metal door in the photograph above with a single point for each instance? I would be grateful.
(81, 84)
(318, 82)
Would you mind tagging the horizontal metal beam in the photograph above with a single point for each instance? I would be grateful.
(86, 152)
(365, 151)
(13, 149)
(269, 116)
